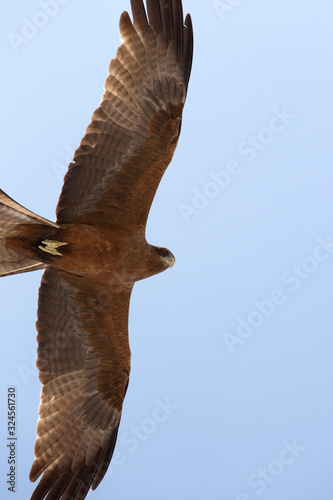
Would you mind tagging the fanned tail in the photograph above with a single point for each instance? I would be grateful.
(12, 215)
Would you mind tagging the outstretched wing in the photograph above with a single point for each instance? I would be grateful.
(84, 365)
(133, 134)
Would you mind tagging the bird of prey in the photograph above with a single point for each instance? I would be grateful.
(96, 250)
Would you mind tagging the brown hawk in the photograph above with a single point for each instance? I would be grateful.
(96, 250)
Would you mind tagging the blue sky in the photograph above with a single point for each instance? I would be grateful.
(231, 387)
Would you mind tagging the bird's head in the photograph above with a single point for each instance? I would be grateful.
(167, 257)
(159, 260)
(148, 261)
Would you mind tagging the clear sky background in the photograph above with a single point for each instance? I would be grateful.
(237, 338)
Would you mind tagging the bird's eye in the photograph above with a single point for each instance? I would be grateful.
(164, 252)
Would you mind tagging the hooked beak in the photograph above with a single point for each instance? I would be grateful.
(169, 260)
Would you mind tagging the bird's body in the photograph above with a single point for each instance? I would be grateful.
(96, 250)
(105, 255)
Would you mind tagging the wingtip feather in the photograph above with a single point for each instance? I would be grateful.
(188, 46)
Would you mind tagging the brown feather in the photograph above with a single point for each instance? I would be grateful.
(177, 21)
(166, 17)
(188, 48)
(139, 16)
(154, 14)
